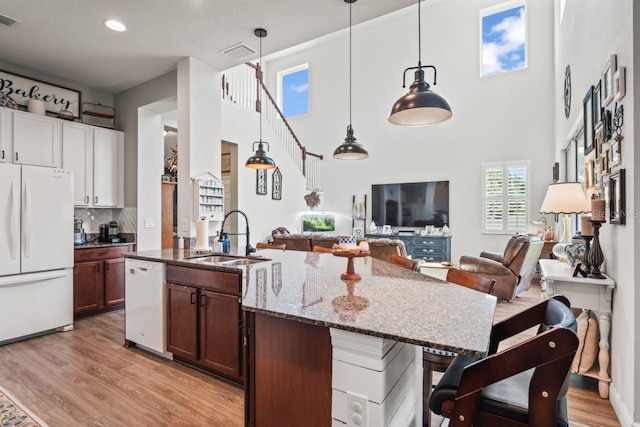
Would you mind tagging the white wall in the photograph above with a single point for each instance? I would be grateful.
(127, 104)
(584, 41)
(500, 118)
(241, 127)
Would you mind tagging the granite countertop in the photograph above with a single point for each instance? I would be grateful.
(389, 301)
(97, 244)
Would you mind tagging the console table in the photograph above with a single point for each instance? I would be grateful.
(428, 248)
(586, 293)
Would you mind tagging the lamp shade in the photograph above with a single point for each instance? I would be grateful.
(260, 160)
(350, 149)
(565, 198)
(421, 106)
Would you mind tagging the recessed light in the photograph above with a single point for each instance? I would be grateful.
(115, 25)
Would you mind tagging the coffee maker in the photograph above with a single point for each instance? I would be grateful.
(109, 233)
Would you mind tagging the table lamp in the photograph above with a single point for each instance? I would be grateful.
(564, 198)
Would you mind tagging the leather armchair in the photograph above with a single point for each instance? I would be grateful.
(511, 270)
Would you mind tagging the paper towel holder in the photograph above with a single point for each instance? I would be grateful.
(202, 235)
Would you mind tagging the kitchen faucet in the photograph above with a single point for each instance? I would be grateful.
(248, 249)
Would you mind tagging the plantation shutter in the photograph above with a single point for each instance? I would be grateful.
(505, 197)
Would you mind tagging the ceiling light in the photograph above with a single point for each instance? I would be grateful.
(350, 149)
(421, 106)
(115, 25)
(260, 160)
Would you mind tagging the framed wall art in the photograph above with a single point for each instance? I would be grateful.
(619, 85)
(226, 162)
(261, 181)
(56, 98)
(597, 105)
(615, 153)
(276, 184)
(587, 107)
(617, 198)
(607, 79)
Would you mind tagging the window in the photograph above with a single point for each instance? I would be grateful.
(293, 90)
(503, 38)
(505, 198)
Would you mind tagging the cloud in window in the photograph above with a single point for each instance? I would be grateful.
(503, 41)
(300, 88)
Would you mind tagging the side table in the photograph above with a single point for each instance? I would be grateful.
(586, 293)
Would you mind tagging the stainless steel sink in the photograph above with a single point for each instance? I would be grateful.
(216, 259)
(243, 261)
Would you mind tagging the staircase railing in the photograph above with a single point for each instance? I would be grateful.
(241, 86)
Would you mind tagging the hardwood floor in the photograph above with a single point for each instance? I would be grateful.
(86, 377)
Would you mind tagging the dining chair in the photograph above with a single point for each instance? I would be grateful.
(523, 385)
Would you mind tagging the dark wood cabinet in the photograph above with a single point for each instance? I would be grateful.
(98, 280)
(87, 295)
(113, 281)
(182, 321)
(205, 320)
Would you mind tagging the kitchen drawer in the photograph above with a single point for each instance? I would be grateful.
(82, 255)
(427, 251)
(210, 279)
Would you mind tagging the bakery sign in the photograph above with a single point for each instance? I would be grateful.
(56, 98)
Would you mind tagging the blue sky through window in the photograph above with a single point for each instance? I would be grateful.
(295, 93)
(503, 41)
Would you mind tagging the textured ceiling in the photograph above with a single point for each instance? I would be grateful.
(67, 38)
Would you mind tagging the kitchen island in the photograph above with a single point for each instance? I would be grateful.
(323, 351)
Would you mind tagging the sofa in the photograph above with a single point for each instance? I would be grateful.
(382, 249)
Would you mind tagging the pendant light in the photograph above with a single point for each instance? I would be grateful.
(260, 160)
(421, 106)
(350, 149)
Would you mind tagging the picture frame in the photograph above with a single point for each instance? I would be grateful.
(588, 174)
(225, 162)
(276, 184)
(619, 83)
(587, 108)
(615, 153)
(261, 182)
(598, 140)
(597, 105)
(358, 232)
(617, 198)
(607, 79)
(21, 89)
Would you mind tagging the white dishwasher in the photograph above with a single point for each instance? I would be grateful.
(145, 299)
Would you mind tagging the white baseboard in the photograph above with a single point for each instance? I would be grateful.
(624, 417)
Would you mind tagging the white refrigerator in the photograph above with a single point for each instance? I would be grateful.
(36, 250)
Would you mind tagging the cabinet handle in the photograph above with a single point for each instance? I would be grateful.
(95, 199)
(203, 300)
(87, 199)
(193, 300)
(97, 267)
(16, 157)
(2, 154)
(106, 266)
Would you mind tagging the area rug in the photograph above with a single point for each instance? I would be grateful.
(14, 414)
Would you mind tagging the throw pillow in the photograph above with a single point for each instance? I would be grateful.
(588, 339)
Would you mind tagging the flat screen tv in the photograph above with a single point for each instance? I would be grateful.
(413, 204)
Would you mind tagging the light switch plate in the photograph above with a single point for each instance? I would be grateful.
(148, 223)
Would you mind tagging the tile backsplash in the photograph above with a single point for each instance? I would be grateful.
(92, 218)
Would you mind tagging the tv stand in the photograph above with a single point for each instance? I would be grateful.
(428, 248)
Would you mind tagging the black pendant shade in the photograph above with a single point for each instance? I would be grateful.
(350, 149)
(260, 160)
(421, 106)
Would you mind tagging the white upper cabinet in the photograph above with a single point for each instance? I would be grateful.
(95, 155)
(77, 155)
(36, 140)
(5, 135)
(107, 182)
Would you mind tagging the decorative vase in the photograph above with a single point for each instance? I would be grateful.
(36, 106)
(575, 253)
